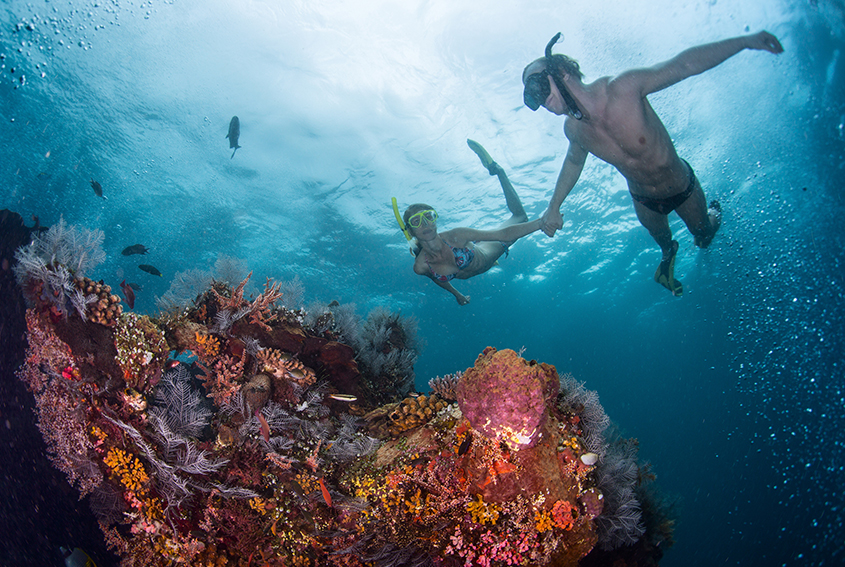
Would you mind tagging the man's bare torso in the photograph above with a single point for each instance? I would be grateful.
(623, 130)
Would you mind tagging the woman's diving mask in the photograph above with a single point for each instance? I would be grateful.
(429, 216)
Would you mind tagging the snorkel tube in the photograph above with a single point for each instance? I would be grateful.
(574, 111)
(402, 226)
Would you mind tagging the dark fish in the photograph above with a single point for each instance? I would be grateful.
(234, 134)
(465, 445)
(98, 189)
(150, 269)
(128, 294)
(134, 286)
(135, 249)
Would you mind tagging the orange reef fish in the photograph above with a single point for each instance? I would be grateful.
(135, 249)
(128, 293)
(265, 427)
(149, 269)
(326, 496)
(98, 189)
(234, 134)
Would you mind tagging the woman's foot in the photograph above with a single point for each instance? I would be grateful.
(485, 158)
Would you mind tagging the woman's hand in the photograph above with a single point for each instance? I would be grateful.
(462, 299)
(766, 42)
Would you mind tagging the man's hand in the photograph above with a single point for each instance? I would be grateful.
(765, 42)
(551, 222)
(462, 299)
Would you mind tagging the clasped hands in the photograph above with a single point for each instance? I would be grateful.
(551, 222)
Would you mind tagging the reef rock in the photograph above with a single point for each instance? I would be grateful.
(506, 397)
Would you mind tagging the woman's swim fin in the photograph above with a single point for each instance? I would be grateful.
(486, 160)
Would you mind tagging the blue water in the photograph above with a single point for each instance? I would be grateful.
(735, 391)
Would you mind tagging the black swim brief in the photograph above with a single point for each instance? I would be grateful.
(668, 204)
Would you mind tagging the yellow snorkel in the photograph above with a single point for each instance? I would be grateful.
(401, 223)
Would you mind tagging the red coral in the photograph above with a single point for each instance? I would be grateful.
(564, 514)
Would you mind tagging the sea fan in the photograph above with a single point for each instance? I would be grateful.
(390, 555)
(184, 288)
(347, 324)
(292, 293)
(594, 421)
(620, 523)
(107, 503)
(57, 256)
(349, 448)
(229, 269)
(179, 405)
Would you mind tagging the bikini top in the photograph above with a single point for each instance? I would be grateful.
(463, 258)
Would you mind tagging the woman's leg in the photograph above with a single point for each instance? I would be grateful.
(511, 198)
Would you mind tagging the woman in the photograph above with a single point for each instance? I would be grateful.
(465, 252)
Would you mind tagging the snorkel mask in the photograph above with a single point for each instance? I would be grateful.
(429, 216)
(537, 88)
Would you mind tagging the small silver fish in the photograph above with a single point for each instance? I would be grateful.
(343, 397)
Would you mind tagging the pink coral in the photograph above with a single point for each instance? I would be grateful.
(506, 397)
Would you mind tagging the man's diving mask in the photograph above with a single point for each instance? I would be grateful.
(429, 216)
(537, 88)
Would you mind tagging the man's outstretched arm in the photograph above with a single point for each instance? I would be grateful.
(697, 60)
(573, 164)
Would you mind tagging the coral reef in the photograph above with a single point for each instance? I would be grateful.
(229, 433)
(386, 355)
(394, 418)
(506, 397)
(47, 267)
(446, 386)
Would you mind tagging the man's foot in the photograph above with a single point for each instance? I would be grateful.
(486, 160)
(714, 214)
(665, 274)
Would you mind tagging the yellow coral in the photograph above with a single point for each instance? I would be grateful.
(544, 521)
(128, 468)
(571, 443)
(98, 433)
(483, 513)
(365, 487)
(258, 504)
(307, 483)
(209, 346)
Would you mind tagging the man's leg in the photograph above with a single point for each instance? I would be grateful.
(658, 226)
(702, 221)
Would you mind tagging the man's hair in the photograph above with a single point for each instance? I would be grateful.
(558, 65)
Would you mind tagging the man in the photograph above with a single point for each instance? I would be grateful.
(612, 119)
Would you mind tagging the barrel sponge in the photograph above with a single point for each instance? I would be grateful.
(506, 397)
